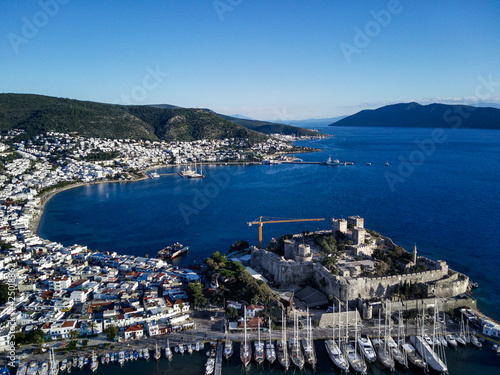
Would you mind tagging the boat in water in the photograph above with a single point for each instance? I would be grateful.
(228, 349)
(94, 363)
(32, 368)
(270, 350)
(430, 355)
(281, 347)
(414, 358)
(168, 351)
(189, 172)
(356, 361)
(157, 352)
(308, 345)
(21, 370)
(333, 162)
(366, 347)
(246, 347)
(294, 348)
(43, 369)
(172, 251)
(451, 340)
(475, 341)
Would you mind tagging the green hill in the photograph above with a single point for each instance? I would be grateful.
(425, 116)
(37, 114)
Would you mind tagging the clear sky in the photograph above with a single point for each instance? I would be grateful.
(266, 59)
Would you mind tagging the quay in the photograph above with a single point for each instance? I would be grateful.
(218, 359)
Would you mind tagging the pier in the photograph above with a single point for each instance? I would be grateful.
(218, 359)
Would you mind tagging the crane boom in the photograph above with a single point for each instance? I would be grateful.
(260, 222)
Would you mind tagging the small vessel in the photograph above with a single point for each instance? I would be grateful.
(210, 366)
(112, 357)
(81, 362)
(172, 251)
(387, 164)
(228, 348)
(145, 354)
(62, 366)
(107, 358)
(333, 162)
(366, 347)
(75, 361)
(168, 351)
(245, 348)
(21, 370)
(368, 163)
(154, 175)
(121, 358)
(282, 350)
(44, 368)
(459, 339)
(270, 350)
(127, 355)
(182, 349)
(450, 339)
(308, 345)
(32, 368)
(259, 352)
(94, 363)
(157, 352)
(475, 341)
(496, 348)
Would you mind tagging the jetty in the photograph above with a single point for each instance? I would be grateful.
(218, 359)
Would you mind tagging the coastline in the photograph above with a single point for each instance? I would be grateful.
(37, 217)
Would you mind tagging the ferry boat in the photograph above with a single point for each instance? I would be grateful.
(172, 251)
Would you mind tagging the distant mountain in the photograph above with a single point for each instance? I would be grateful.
(315, 122)
(267, 127)
(37, 114)
(413, 115)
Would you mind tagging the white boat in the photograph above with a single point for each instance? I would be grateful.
(197, 346)
(168, 351)
(210, 366)
(32, 368)
(333, 162)
(228, 349)
(333, 347)
(94, 363)
(308, 344)
(154, 175)
(294, 345)
(192, 173)
(121, 358)
(245, 348)
(430, 355)
(21, 369)
(451, 340)
(281, 347)
(53, 363)
(475, 341)
(356, 362)
(44, 368)
(145, 354)
(157, 352)
(459, 339)
(270, 350)
(366, 346)
(62, 366)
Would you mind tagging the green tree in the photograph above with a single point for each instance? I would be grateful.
(232, 313)
(4, 293)
(111, 331)
(195, 292)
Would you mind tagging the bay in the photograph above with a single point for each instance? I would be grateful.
(446, 203)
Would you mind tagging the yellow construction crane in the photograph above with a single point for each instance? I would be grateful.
(272, 220)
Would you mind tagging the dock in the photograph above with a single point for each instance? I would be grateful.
(218, 359)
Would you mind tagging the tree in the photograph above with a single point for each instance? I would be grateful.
(91, 324)
(195, 292)
(111, 332)
(73, 334)
(4, 293)
(232, 313)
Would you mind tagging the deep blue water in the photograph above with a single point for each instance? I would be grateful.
(447, 204)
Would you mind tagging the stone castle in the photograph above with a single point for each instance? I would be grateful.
(300, 265)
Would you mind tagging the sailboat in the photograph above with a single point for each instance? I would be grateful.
(53, 363)
(355, 360)
(157, 352)
(281, 345)
(333, 348)
(380, 345)
(270, 351)
(259, 347)
(245, 348)
(228, 348)
(395, 347)
(308, 344)
(192, 173)
(94, 362)
(295, 349)
(168, 351)
(460, 337)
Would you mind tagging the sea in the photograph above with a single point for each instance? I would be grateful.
(439, 192)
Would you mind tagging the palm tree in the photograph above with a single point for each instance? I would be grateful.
(91, 324)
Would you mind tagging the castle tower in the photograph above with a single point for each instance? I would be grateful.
(415, 254)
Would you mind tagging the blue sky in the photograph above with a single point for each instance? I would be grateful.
(275, 60)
